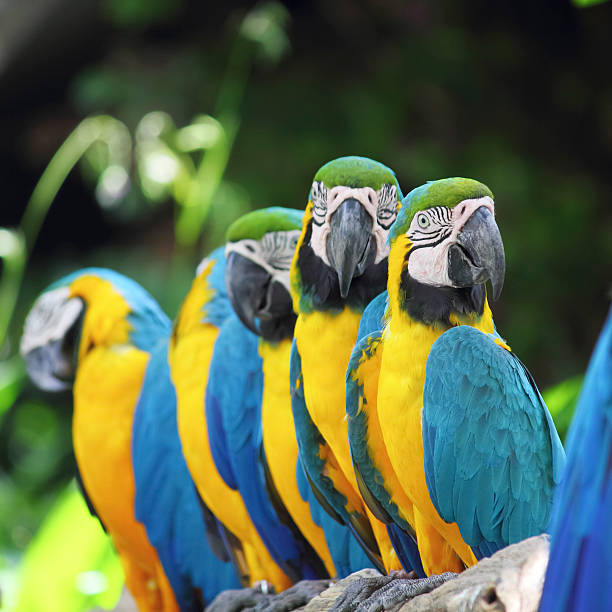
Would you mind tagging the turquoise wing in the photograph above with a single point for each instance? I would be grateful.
(492, 454)
(370, 480)
(310, 443)
(235, 388)
(166, 500)
(580, 564)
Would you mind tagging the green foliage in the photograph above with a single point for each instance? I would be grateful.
(585, 3)
(561, 401)
(138, 160)
(70, 566)
(139, 12)
(12, 378)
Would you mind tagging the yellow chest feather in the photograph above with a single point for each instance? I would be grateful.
(106, 392)
(281, 445)
(325, 343)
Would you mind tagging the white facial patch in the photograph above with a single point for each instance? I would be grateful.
(432, 232)
(273, 252)
(51, 317)
(202, 265)
(381, 205)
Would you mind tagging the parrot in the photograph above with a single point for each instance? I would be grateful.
(259, 249)
(192, 339)
(93, 331)
(449, 433)
(339, 266)
(580, 561)
(166, 500)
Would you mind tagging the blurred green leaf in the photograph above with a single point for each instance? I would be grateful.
(561, 401)
(13, 254)
(141, 12)
(12, 378)
(585, 3)
(266, 25)
(70, 565)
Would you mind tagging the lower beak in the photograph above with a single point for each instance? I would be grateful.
(478, 255)
(258, 300)
(349, 247)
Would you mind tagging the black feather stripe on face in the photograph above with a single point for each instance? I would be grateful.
(320, 285)
(434, 305)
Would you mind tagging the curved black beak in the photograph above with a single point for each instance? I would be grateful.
(478, 255)
(261, 303)
(350, 247)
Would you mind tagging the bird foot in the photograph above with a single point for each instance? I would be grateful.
(379, 593)
(295, 597)
(236, 600)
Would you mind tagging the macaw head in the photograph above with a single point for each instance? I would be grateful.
(342, 253)
(89, 308)
(445, 245)
(259, 250)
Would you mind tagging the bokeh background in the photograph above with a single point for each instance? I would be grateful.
(155, 123)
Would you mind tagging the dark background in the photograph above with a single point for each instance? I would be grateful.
(516, 94)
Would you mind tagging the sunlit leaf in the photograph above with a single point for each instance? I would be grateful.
(70, 565)
(266, 25)
(203, 132)
(561, 401)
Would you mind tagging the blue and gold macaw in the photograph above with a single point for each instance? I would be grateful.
(580, 562)
(194, 334)
(262, 456)
(166, 500)
(94, 331)
(339, 266)
(236, 383)
(449, 433)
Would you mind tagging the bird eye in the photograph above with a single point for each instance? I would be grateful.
(423, 221)
(250, 247)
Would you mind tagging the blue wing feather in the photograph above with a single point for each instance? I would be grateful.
(236, 378)
(347, 554)
(218, 307)
(166, 501)
(369, 336)
(216, 398)
(492, 455)
(580, 564)
(373, 317)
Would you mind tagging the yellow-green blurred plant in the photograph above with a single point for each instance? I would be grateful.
(70, 564)
(561, 401)
(160, 163)
(585, 3)
(184, 165)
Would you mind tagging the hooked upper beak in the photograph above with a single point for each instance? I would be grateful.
(258, 300)
(350, 248)
(478, 255)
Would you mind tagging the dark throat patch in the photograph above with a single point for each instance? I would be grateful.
(321, 287)
(434, 305)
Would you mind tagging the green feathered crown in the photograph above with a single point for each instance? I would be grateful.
(255, 224)
(354, 171)
(444, 192)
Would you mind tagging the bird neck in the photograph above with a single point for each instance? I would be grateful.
(315, 285)
(192, 313)
(441, 308)
(106, 313)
